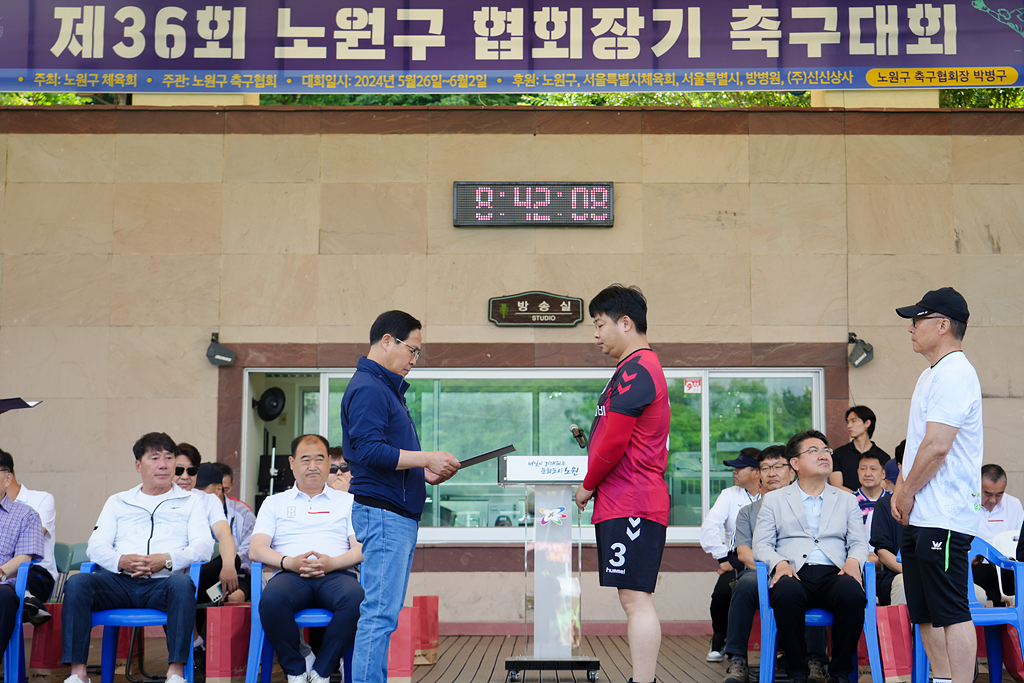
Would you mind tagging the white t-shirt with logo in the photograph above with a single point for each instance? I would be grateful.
(297, 523)
(948, 393)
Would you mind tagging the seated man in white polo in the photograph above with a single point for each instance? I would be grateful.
(306, 534)
(147, 539)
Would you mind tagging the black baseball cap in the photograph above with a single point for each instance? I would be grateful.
(746, 458)
(945, 301)
(208, 474)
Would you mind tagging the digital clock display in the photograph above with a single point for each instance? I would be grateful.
(587, 205)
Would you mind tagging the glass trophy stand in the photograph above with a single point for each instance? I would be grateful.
(553, 599)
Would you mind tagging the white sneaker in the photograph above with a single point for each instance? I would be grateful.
(301, 678)
(75, 679)
(175, 679)
(715, 654)
(314, 677)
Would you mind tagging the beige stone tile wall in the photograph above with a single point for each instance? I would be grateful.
(122, 253)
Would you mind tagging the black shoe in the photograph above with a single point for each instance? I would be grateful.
(819, 671)
(845, 678)
(717, 645)
(35, 612)
(199, 657)
(738, 671)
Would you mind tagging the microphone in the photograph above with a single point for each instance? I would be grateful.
(579, 435)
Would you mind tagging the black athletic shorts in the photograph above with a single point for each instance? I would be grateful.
(629, 553)
(935, 575)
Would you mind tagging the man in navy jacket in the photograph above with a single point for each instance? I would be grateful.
(388, 474)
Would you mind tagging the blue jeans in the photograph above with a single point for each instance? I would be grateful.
(389, 540)
(88, 593)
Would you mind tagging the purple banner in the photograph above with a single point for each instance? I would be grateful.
(456, 46)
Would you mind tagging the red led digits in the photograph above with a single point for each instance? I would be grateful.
(599, 197)
(541, 203)
(551, 204)
(584, 195)
(484, 203)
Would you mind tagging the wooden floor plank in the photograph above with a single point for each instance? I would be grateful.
(689, 654)
(481, 659)
(490, 660)
(440, 672)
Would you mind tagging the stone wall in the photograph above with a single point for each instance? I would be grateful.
(129, 235)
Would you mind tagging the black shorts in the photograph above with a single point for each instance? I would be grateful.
(935, 575)
(629, 553)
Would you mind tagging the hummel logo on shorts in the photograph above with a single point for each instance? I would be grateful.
(937, 545)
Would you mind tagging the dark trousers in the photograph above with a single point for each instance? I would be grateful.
(721, 597)
(88, 593)
(40, 582)
(209, 575)
(985, 576)
(8, 612)
(821, 587)
(287, 593)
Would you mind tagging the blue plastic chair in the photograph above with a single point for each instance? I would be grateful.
(989, 617)
(113, 619)
(261, 655)
(14, 655)
(817, 617)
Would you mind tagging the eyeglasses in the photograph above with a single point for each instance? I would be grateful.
(415, 351)
(816, 451)
(915, 321)
(335, 469)
(192, 471)
(780, 467)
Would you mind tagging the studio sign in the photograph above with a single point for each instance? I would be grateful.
(535, 309)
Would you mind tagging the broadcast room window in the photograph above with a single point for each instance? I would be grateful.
(715, 413)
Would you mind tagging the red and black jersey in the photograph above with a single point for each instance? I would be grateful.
(628, 451)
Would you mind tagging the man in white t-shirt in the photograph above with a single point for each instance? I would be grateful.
(1000, 512)
(306, 534)
(938, 496)
(42, 577)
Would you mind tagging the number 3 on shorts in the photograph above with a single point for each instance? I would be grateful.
(620, 555)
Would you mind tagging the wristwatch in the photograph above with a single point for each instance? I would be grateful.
(3, 576)
(168, 565)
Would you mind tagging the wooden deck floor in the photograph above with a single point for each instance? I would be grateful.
(481, 659)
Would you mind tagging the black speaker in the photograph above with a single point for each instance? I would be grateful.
(270, 405)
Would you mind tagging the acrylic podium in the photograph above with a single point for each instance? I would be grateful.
(555, 599)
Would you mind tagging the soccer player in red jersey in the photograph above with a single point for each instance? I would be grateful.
(626, 469)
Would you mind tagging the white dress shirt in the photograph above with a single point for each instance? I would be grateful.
(718, 532)
(43, 503)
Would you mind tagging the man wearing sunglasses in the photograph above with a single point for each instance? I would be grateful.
(340, 477)
(389, 471)
(938, 497)
(186, 471)
(146, 538)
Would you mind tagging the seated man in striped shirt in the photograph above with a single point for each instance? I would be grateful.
(21, 540)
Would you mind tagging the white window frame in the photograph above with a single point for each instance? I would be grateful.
(482, 535)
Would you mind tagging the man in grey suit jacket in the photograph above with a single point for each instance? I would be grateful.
(812, 537)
